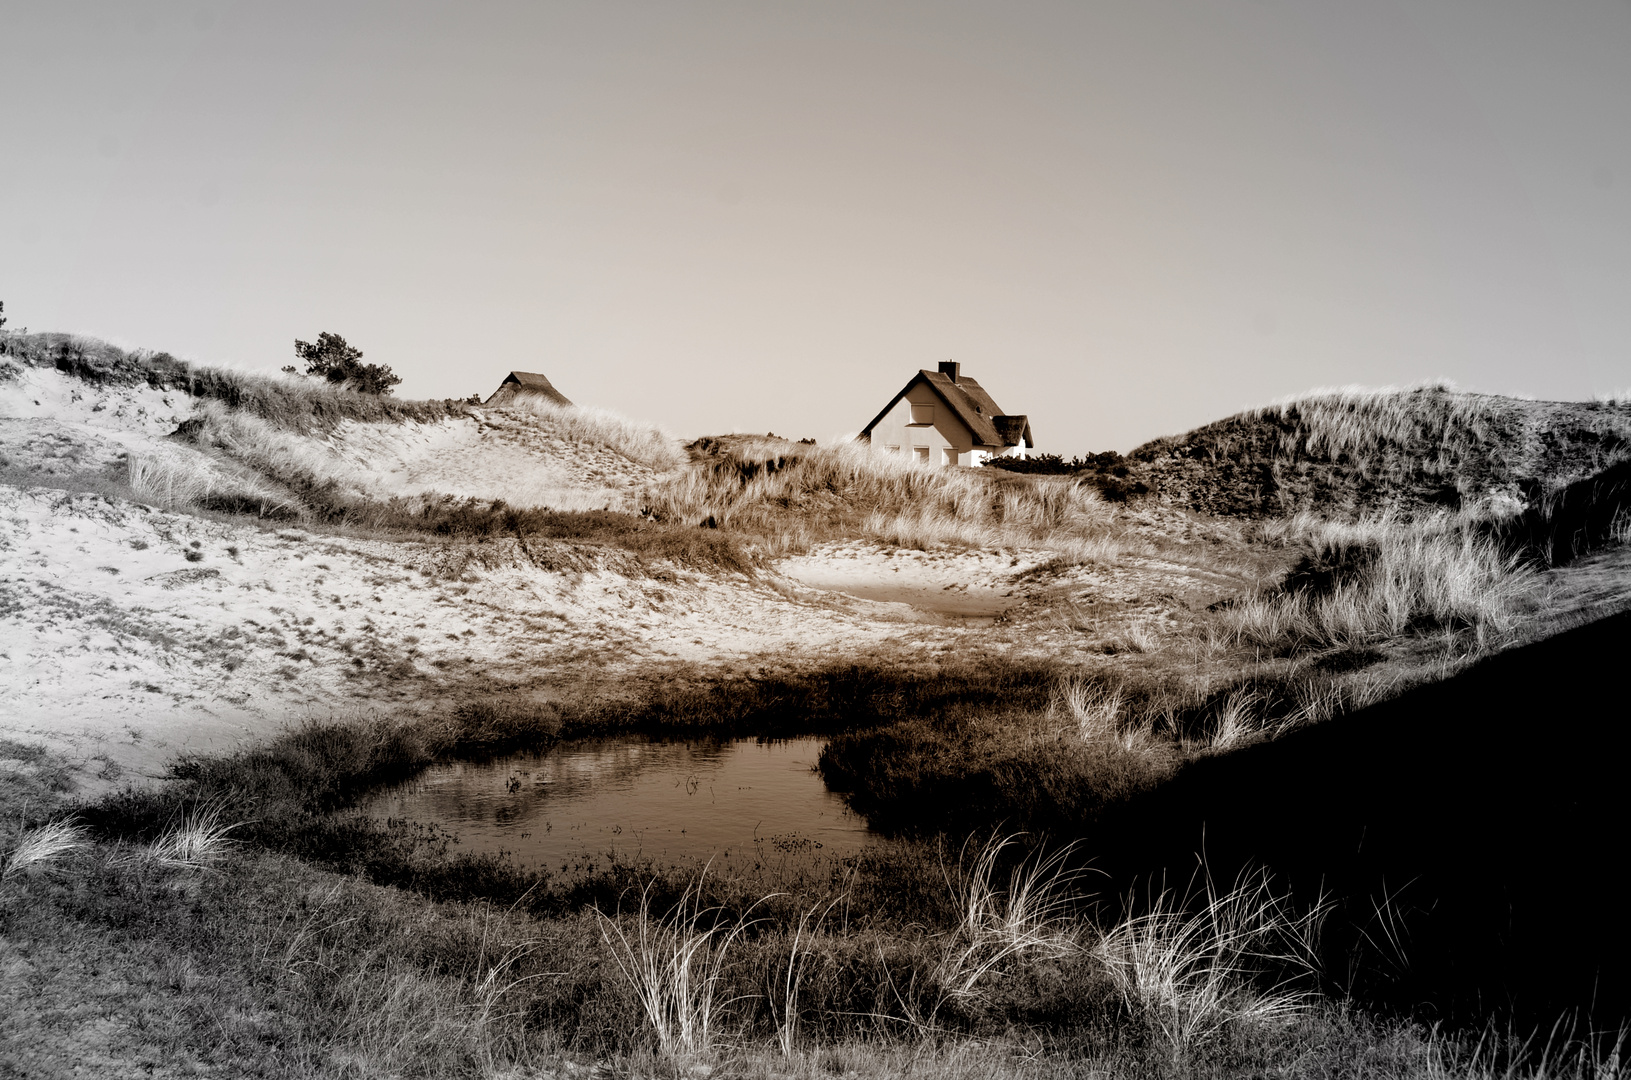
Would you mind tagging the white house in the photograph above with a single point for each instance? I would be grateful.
(946, 418)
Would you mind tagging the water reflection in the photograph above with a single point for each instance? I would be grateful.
(670, 801)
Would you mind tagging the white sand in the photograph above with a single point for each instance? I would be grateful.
(114, 641)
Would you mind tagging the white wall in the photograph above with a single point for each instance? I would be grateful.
(948, 432)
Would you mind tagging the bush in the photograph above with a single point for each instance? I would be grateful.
(332, 360)
(1107, 471)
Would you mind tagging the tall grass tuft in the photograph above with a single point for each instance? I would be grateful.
(1241, 956)
(784, 998)
(1235, 720)
(1029, 916)
(1095, 707)
(674, 965)
(192, 482)
(41, 846)
(999, 930)
(1098, 711)
(198, 840)
(1361, 583)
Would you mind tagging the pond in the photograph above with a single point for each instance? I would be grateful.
(582, 802)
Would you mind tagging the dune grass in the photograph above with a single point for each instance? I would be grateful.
(1240, 955)
(200, 837)
(1573, 519)
(794, 494)
(1353, 452)
(299, 405)
(41, 847)
(674, 964)
(1360, 423)
(191, 482)
(637, 440)
(1374, 580)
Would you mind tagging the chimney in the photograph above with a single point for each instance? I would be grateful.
(950, 368)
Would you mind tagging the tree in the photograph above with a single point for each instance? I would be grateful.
(333, 360)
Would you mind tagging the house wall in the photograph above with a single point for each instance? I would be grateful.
(1023, 450)
(948, 432)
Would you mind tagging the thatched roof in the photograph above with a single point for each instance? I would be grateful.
(1014, 429)
(526, 384)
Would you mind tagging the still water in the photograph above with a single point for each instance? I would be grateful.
(669, 801)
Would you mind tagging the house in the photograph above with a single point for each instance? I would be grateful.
(946, 418)
(526, 384)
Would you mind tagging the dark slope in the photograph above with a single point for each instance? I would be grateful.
(1493, 804)
(1351, 452)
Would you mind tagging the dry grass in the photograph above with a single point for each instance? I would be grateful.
(41, 846)
(673, 963)
(199, 840)
(796, 494)
(300, 405)
(333, 478)
(637, 440)
(1381, 578)
(784, 1006)
(1359, 422)
(1241, 956)
(1031, 917)
(1353, 452)
(1097, 712)
(192, 482)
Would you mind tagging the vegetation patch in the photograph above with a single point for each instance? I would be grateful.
(1352, 452)
(292, 404)
(791, 495)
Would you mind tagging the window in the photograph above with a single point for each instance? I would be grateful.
(892, 449)
(922, 415)
(948, 456)
(922, 453)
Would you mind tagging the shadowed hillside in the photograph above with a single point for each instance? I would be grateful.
(1484, 814)
(1350, 452)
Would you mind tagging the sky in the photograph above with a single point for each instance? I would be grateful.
(1126, 219)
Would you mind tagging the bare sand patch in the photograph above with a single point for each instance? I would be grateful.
(961, 584)
(135, 633)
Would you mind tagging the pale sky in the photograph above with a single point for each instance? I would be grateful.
(1125, 218)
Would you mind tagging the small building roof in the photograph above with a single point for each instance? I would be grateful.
(526, 384)
(970, 403)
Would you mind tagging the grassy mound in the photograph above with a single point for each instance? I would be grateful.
(293, 404)
(1350, 452)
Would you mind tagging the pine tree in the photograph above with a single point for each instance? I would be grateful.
(335, 361)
